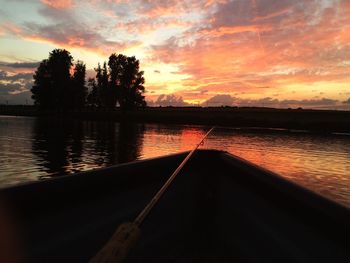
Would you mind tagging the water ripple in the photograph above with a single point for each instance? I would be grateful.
(33, 149)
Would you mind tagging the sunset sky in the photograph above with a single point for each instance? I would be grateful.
(278, 53)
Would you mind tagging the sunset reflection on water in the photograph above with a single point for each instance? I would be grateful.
(32, 149)
(320, 163)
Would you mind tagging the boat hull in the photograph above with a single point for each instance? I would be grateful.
(220, 208)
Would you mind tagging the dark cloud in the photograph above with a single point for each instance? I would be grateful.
(168, 100)
(220, 100)
(17, 77)
(19, 65)
(64, 27)
(57, 14)
(228, 100)
(347, 101)
(275, 14)
(237, 13)
(324, 102)
(73, 35)
(8, 88)
(15, 88)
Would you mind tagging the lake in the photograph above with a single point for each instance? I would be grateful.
(34, 149)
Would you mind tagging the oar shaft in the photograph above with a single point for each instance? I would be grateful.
(127, 234)
(139, 219)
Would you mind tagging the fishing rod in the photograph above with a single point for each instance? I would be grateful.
(127, 234)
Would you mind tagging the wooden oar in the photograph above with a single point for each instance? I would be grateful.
(127, 234)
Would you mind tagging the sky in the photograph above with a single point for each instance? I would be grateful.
(272, 53)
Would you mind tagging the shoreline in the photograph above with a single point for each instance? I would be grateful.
(322, 121)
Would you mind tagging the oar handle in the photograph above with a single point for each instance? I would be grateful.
(118, 247)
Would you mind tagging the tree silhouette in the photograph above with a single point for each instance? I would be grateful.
(127, 81)
(98, 85)
(42, 89)
(105, 89)
(54, 86)
(93, 99)
(115, 72)
(60, 85)
(102, 85)
(59, 64)
(79, 90)
(121, 83)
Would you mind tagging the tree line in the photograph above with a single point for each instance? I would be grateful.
(61, 84)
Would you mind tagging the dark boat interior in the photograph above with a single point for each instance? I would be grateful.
(220, 208)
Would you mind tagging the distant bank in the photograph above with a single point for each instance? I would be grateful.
(299, 119)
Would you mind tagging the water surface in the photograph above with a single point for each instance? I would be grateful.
(32, 149)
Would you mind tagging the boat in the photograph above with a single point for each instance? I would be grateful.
(220, 208)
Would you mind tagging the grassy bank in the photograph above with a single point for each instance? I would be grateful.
(314, 120)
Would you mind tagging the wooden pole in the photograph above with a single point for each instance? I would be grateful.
(127, 234)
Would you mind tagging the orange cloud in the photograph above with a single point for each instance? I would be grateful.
(247, 48)
(104, 48)
(9, 27)
(293, 46)
(147, 24)
(227, 30)
(69, 37)
(58, 4)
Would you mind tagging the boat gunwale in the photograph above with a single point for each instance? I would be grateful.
(96, 178)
